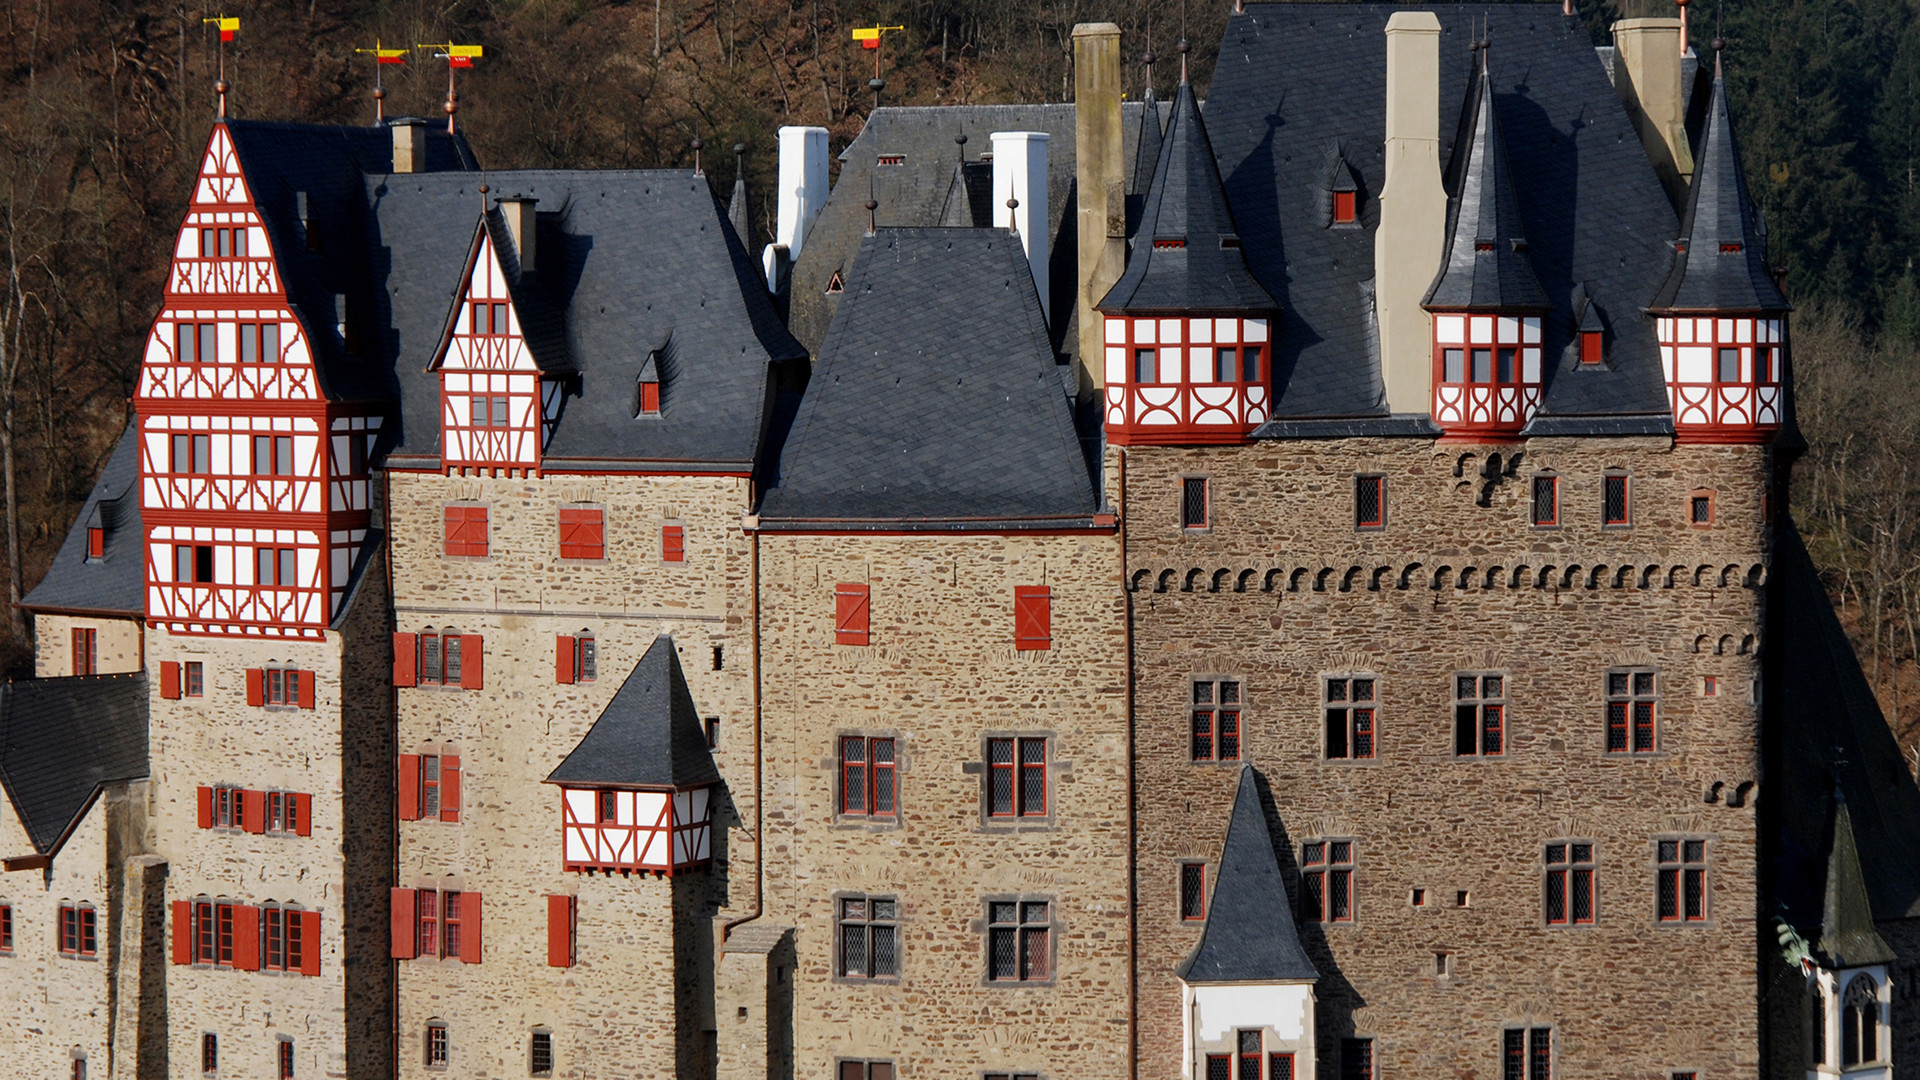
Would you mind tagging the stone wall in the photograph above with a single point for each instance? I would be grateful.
(1281, 590)
(116, 643)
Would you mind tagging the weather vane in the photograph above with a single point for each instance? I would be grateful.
(869, 38)
(456, 56)
(228, 28)
(381, 57)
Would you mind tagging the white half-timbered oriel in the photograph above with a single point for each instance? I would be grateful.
(663, 831)
(1189, 379)
(1723, 375)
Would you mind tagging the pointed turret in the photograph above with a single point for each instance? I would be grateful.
(1147, 154)
(1250, 934)
(1848, 938)
(648, 736)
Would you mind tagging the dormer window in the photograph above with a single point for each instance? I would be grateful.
(835, 285)
(96, 543)
(1345, 207)
(893, 159)
(1729, 249)
(1590, 348)
(1229, 243)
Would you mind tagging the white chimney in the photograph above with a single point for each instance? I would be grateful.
(803, 191)
(1020, 173)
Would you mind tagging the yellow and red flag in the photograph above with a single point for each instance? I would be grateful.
(385, 56)
(460, 56)
(228, 26)
(869, 36)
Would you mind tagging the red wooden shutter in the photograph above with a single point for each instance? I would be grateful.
(304, 804)
(310, 941)
(449, 788)
(673, 543)
(583, 533)
(206, 808)
(169, 679)
(246, 938)
(560, 931)
(409, 787)
(183, 930)
(1032, 617)
(406, 931)
(593, 532)
(1343, 206)
(253, 811)
(1590, 347)
(96, 543)
(470, 927)
(405, 651)
(473, 662)
(254, 693)
(850, 614)
(453, 522)
(650, 397)
(563, 658)
(306, 689)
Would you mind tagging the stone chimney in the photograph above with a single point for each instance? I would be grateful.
(803, 191)
(409, 145)
(518, 212)
(1647, 78)
(1020, 174)
(1101, 178)
(1413, 211)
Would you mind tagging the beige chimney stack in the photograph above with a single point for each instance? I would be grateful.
(1647, 78)
(518, 211)
(1413, 211)
(409, 145)
(1100, 175)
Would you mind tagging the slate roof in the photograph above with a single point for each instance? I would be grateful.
(629, 263)
(1485, 266)
(114, 584)
(1146, 156)
(1827, 733)
(1250, 935)
(1720, 215)
(936, 401)
(61, 740)
(648, 736)
(1186, 205)
(1293, 79)
(1847, 935)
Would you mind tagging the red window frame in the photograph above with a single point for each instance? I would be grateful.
(286, 1059)
(195, 682)
(1369, 501)
(1216, 720)
(1616, 500)
(273, 455)
(1280, 1066)
(583, 532)
(86, 650)
(1019, 940)
(437, 1045)
(869, 776)
(478, 323)
(78, 927)
(1700, 508)
(1479, 714)
(1193, 892)
(673, 543)
(1017, 778)
(465, 532)
(1326, 880)
(1032, 618)
(1682, 879)
(192, 455)
(6, 928)
(1571, 871)
(1219, 1067)
(1351, 704)
(1251, 1050)
(426, 911)
(1632, 711)
(852, 614)
(1545, 509)
(1345, 207)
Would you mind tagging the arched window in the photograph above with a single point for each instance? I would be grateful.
(1816, 1025)
(1860, 1023)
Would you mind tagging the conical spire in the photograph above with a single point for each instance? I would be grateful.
(1250, 934)
(1148, 153)
(1721, 261)
(1186, 254)
(737, 211)
(1847, 934)
(1486, 264)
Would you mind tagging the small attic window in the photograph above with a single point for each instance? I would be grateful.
(1229, 243)
(835, 285)
(1483, 245)
(892, 159)
(1589, 348)
(1729, 249)
(1168, 243)
(1345, 207)
(96, 542)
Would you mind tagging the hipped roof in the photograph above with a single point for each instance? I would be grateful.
(648, 736)
(61, 740)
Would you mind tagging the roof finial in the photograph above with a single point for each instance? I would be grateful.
(1566, 7)
(1682, 5)
(739, 159)
(960, 140)
(1182, 50)
(872, 205)
(1146, 59)
(1013, 219)
(1719, 42)
(696, 146)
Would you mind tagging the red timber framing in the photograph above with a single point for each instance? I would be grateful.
(497, 410)
(1723, 376)
(1486, 373)
(254, 487)
(1186, 380)
(659, 832)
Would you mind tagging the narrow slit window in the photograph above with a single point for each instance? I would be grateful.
(1369, 502)
(1194, 506)
(1546, 501)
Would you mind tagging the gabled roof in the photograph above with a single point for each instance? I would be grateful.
(936, 402)
(1485, 266)
(114, 584)
(1721, 264)
(1847, 935)
(542, 325)
(648, 736)
(1186, 253)
(1250, 934)
(61, 740)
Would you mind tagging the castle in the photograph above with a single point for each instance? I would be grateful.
(1300, 587)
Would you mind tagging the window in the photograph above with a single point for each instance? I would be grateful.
(1279, 1067)
(79, 1066)
(1032, 618)
(1860, 1022)
(1816, 1024)
(607, 807)
(430, 786)
(192, 454)
(273, 455)
(488, 411)
(446, 657)
(96, 543)
(223, 243)
(1763, 369)
(867, 777)
(851, 614)
(427, 913)
(866, 1070)
(286, 1059)
(1356, 1059)
(869, 937)
(540, 1054)
(1241, 364)
(77, 930)
(193, 564)
(1344, 210)
(1727, 365)
(285, 933)
(1369, 502)
(1682, 880)
(466, 531)
(1251, 1049)
(1709, 686)
(209, 1053)
(86, 650)
(713, 733)
(1349, 709)
(1526, 1054)
(1700, 508)
(1590, 347)
(194, 343)
(576, 658)
(1630, 701)
(285, 686)
(1146, 366)
(1193, 892)
(1570, 883)
(204, 945)
(6, 928)
(1216, 720)
(287, 813)
(1546, 500)
(583, 533)
(436, 1044)
(430, 780)
(673, 543)
(195, 683)
(647, 394)
(1017, 777)
(1479, 715)
(451, 923)
(1453, 365)
(259, 342)
(1326, 880)
(1194, 508)
(276, 567)
(488, 318)
(1616, 509)
(1019, 940)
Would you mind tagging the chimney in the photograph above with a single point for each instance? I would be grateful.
(1647, 78)
(518, 212)
(1413, 211)
(803, 191)
(1020, 174)
(1101, 179)
(409, 145)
